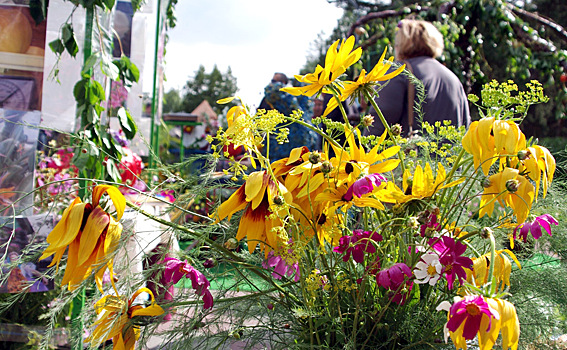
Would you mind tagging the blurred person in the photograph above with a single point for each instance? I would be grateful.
(417, 44)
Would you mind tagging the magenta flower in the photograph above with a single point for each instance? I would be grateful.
(535, 226)
(364, 185)
(281, 267)
(454, 264)
(431, 224)
(359, 243)
(470, 310)
(176, 269)
(393, 278)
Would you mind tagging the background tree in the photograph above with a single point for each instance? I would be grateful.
(484, 40)
(208, 86)
(172, 101)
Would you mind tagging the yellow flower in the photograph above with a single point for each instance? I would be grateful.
(489, 137)
(336, 63)
(367, 163)
(422, 184)
(378, 73)
(336, 197)
(505, 322)
(115, 320)
(502, 269)
(257, 197)
(539, 165)
(92, 236)
(511, 189)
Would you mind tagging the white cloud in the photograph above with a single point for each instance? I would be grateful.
(254, 37)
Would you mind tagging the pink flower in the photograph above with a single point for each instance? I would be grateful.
(450, 252)
(470, 310)
(281, 266)
(176, 269)
(535, 226)
(359, 243)
(364, 185)
(393, 278)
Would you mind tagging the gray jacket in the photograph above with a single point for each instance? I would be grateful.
(445, 97)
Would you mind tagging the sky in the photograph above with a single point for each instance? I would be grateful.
(254, 37)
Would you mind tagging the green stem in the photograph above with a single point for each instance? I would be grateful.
(492, 263)
(387, 127)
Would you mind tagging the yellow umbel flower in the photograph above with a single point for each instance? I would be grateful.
(91, 241)
(510, 189)
(336, 63)
(115, 320)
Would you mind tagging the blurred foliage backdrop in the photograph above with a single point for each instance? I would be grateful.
(484, 40)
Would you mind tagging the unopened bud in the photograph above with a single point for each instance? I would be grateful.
(209, 263)
(270, 306)
(486, 182)
(326, 167)
(512, 185)
(104, 162)
(522, 155)
(486, 232)
(360, 31)
(84, 150)
(396, 129)
(279, 200)
(367, 120)
(314, 157)
(231, 243)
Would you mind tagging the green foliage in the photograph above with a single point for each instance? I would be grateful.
(172, 101)
(208, 86)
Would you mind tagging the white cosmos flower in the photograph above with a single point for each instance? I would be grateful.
(428, 269)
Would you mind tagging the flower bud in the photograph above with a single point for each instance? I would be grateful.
(270, 306)
(361, 31)
(104, 162)
(231, 243)
(84, 150)
(209, 263)
(486, 182)
(512, 185)
(279, 200)
(413, 222)
(522, 155)
(486, 232)
(396, 129)
(326, 167)
(367, 120)
(314, 157)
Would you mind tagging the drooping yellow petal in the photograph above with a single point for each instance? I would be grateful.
(236, 202)
(115, 195)
(254, 188)
(96, 223)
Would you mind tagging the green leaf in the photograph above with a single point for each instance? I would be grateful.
(67, 32)
(38, 10)
(91, 61)
(57, 46)
(68, 38)
(109, 4)
(79, 91)
(127, 123)
(113, 170)
(109, 68)
(136, 4)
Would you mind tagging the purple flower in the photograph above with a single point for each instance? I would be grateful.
(450, 252)
(281, 266)
(176, 269)
(535, 226)
(393, 278)
(359, 243)
(364, 185)
(470, 310)
(431, 224)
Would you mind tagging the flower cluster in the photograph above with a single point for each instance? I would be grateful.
(407, 223)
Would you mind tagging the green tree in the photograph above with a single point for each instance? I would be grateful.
(484, 40)
(172, 101)
(208, 86)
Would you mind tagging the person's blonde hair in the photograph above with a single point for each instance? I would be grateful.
(417, 38)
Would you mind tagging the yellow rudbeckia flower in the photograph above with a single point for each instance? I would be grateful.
(336, 63)
(256, 196)
(509, 188)
(92, 236)
(539, 165)
(377, 74)
(502, 269)
(489, 137)
(115, 320)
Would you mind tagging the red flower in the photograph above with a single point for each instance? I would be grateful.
(450, 252)
(359, 243)
(395, 278)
